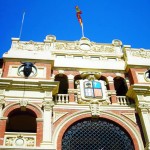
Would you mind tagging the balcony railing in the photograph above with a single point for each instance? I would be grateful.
(123, 100)
(61, 98)
(18, 139)
(64, 98)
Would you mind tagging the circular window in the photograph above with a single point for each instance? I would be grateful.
(96, 134)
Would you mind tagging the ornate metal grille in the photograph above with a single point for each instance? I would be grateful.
(96, 134)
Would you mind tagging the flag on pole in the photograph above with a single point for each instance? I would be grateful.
(78, 13)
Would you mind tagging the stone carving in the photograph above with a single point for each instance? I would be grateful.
(102, 48)
(20, 141)
(30, 46)
(50, 38)
(9, 141)
(94, 109)
(23, 103)
(30, 142)
(117, 43)
(48, 105)
(141, 53)
(76, 46)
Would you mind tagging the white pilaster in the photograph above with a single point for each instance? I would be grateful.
(145, 120)
(47, 121)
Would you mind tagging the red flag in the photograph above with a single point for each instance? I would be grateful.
(78, 13)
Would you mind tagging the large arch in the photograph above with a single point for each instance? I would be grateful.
(36, 109)
(37, 113)
(125, 124)
(21, 121)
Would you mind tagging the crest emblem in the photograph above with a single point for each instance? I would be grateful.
(94, 89)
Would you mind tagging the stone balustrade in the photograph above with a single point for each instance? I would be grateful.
(123, 100)
(64, 98)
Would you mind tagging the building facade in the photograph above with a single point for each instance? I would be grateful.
(74, 95)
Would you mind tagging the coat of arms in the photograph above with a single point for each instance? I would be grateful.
(94, 89)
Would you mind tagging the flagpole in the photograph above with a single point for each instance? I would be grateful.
(21, 25)
(82, 30)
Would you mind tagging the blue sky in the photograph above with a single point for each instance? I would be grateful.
(104, 20)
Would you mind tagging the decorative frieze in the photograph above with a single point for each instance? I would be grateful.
(29, 46)
(76, 46)
(140, 53)
(20, 140)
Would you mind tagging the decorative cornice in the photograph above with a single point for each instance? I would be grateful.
(33, 85)
(137, 90)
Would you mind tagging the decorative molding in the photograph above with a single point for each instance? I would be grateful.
(48, 94)
(117, 43)
(23, 102)
(2, 104)
(57, 115)
(110, 79)
(143, 107)
(130, 116)
(29, 46)
(77, 45)
(72, 91)
(48, 105)
(71, 77)
(2, 92)
(20, 140)
(141, 53)
(95, 109)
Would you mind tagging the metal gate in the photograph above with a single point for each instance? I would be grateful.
(96, 134)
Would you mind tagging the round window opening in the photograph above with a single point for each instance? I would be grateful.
(96, 134)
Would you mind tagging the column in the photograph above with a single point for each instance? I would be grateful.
(71, 88)
(112, 90)
(47, 121)
(144, 115)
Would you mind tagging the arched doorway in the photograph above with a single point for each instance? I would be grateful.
(120, 86)
(96, 134)
(21, 121)
(63, 86)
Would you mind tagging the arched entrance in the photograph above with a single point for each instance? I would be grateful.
(21, 121)
(96, 134)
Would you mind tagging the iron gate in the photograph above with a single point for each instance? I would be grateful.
(96, 134)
